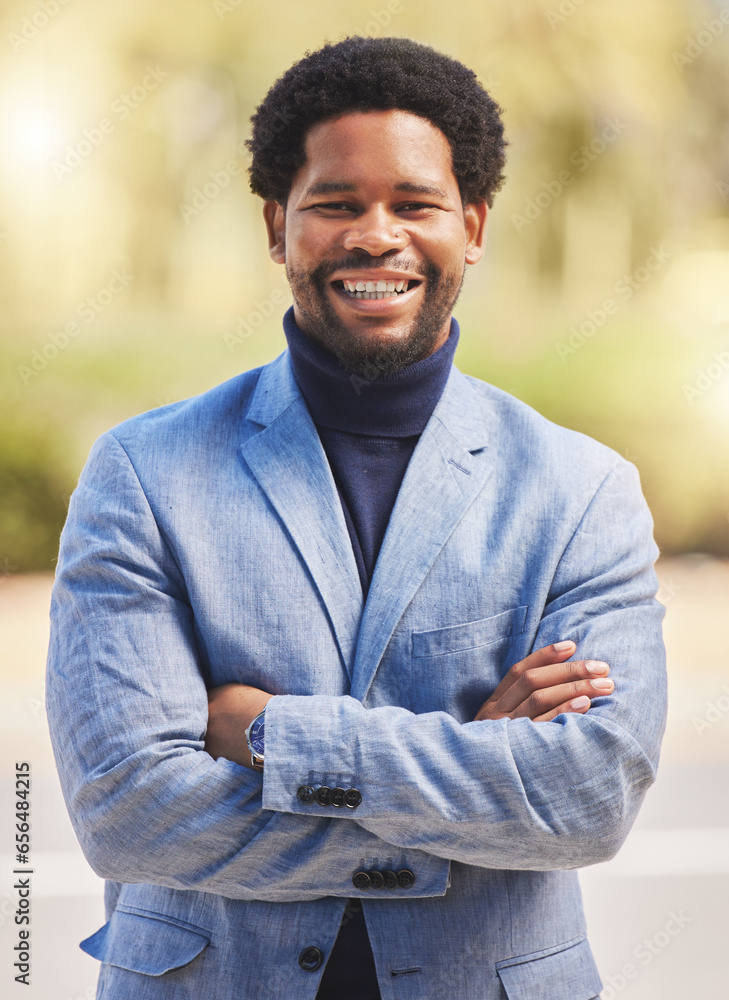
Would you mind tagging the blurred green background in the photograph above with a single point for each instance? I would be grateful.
(133, 263)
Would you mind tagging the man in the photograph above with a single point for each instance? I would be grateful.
(400, 589)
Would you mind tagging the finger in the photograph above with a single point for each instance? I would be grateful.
(576, 706)
(557, 652)
(547, 699)
(549, 676)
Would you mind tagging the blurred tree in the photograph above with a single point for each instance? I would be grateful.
(617, 118)
(34, 488)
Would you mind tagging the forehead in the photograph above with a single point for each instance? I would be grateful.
(391, 147)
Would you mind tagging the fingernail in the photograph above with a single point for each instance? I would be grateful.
(582, 702)
(596, 666)
(562, 646)
(602, 684)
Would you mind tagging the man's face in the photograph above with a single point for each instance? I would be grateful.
(376, 206)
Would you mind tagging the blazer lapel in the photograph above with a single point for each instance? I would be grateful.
(288, 461)
(448, 469)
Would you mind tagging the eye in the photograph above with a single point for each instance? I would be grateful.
(415, 206)
(334, 206)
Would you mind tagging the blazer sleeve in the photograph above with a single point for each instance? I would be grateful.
(127, 708)
(513, 793)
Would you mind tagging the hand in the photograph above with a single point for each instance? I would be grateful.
(542, 686)
(231, 709)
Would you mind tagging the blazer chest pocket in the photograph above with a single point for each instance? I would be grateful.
(470, 635)
(146, 942)
(565, 972)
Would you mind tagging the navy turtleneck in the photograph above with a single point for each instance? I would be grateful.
(368, 430)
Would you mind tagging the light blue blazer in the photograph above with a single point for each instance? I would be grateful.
(205, 544)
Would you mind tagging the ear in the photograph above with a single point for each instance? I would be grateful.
(274, 216)
(475, 214)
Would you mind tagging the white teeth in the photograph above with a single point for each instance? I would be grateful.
(380, 289)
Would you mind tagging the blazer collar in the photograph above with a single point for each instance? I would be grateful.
(288, 461)
(461, 409)
(275, 391)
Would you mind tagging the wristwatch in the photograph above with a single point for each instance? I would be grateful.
(254, 738)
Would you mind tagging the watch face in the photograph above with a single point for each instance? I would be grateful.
(255, 737)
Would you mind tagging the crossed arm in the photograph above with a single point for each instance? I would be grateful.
(502, 792)
(499, 792)
(539, 687)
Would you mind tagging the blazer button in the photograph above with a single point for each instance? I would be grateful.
(322, 795)
(305, 794)
(405, 878)
(352, 798)
(377, 880)
(361, 880)
(336, 797)
(310, 959)
(389, 879)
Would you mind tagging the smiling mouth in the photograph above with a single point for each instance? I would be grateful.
(374, 289)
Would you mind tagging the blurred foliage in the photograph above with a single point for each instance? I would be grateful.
(33, 487)
(617, 119)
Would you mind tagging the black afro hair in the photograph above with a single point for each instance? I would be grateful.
(378, 74)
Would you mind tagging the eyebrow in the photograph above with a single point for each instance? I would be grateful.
(340, 187)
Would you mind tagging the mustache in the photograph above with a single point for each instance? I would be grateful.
(363, 262)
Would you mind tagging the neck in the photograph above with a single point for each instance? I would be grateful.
(397, 405)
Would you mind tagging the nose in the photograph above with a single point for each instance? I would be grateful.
(376, 232)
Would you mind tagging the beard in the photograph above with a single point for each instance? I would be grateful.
(374, 357)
